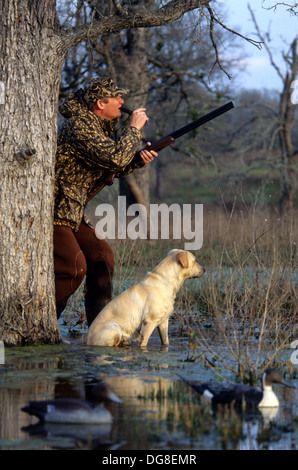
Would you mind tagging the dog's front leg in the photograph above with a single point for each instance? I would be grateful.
(163, 332)
(146, 330)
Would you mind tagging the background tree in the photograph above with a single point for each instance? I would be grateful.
(286, 120)
(266, 132)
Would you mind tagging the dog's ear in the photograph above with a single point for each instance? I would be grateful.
(182, 258)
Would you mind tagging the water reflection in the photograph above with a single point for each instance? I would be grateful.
(159, 411)
(16, 393)
(73, 436)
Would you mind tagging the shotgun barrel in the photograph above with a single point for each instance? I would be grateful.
(169, 139)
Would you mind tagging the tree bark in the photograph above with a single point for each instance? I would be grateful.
(30, 82)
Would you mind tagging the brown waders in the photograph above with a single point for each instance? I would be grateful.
(79, 254)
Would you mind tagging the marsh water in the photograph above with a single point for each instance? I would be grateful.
(159, 410)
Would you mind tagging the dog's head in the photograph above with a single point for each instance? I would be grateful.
(188, 262)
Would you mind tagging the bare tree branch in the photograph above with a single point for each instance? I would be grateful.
(213, 20)
(261, 36)
(122, 12)
(258, 44)
(125, 19)
(292, 8)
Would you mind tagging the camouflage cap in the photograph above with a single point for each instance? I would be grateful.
(102, 87)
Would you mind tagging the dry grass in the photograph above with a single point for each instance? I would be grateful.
(248, 299)
(242, 316)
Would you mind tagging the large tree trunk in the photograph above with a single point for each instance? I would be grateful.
(30, 76)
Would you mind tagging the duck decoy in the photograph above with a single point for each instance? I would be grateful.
(226, 393)
(74, 410)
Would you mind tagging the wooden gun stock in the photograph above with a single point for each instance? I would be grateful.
(157, 146)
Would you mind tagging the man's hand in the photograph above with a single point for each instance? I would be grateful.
(148, 155)
(139, 118)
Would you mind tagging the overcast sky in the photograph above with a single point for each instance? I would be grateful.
(283, 28)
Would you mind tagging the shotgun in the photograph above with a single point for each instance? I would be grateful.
(170, 138)
(165, 141)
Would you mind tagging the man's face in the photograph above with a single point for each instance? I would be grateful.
(111, 108)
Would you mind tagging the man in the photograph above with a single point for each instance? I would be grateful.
(87, 154)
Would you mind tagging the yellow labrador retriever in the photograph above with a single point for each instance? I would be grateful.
(145, 306)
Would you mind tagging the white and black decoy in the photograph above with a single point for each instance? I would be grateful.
(74, 410)
(227, 393)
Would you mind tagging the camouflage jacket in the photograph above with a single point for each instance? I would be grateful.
(87, 151)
